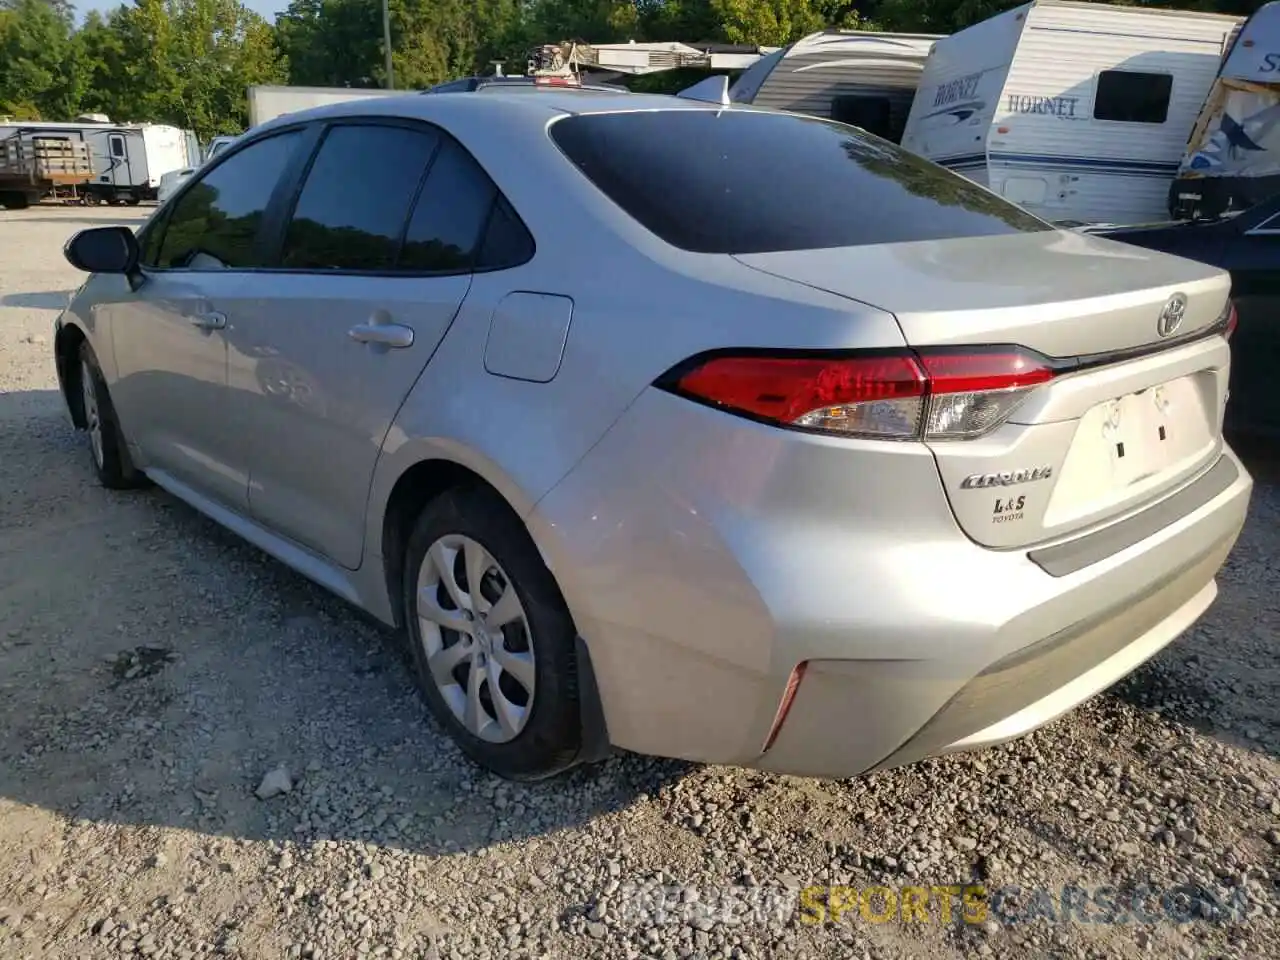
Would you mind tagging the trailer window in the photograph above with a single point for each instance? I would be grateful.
(872, 114)
(1131, 97)
(746, 181)
(117, 146)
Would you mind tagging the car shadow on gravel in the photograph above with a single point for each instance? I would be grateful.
(153, 667)
(1222, 677)
(79, 220)
(48, 300)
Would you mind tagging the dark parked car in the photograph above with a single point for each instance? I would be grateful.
(1247, 244)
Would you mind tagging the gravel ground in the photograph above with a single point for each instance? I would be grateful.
(153, 669)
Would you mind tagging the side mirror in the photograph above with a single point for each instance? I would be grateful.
(103, 250)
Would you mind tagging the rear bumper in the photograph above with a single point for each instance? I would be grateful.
(1015, 694)
(704, 558)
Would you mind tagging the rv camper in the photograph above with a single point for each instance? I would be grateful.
(128, 159)
(1232, 159)
(866, 79)
(1076, 111)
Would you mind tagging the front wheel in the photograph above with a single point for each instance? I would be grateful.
(110, 456)
(493, 642)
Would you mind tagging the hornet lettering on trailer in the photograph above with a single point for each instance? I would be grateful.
(1006, 478)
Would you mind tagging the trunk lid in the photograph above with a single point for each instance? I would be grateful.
(1134, 414)
(1061, 293)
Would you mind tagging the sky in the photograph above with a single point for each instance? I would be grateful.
(267, 8)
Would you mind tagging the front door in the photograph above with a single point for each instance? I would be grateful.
(170, 336)
(368, 284)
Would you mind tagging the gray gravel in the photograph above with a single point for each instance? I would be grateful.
(157, 676)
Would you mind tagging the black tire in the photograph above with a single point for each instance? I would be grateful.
(551, 739)
(133, 201)
(114, 468)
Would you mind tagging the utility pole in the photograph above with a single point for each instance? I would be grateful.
(386, 43)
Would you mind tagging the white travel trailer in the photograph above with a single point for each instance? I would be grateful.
(1077, 111)
(128, 159)
(1232, 159)
(859, 77)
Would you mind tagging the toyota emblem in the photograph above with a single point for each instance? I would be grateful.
(1171, 315)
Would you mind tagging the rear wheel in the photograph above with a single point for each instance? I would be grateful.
(107, 450)
(493, 643)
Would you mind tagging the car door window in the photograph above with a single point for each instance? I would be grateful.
(352, 210)
(450, 217)
(214, 224)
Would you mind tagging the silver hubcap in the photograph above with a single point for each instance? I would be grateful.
(476, 638)
(92, 421)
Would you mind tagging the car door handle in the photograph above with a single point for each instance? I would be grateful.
(385, 334)
(209, 321)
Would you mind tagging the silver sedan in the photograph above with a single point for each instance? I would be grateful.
(702, 431)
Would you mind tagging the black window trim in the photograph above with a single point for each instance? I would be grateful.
(276, 222)
(1093, 111)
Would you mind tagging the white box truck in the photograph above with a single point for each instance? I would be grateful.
(268, 102)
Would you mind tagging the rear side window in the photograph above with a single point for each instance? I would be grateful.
(358, 193)
(507, 242)
(1131, 97)
(739, 181)
(214, 224)
(451, 214)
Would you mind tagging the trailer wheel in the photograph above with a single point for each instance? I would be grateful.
(14, 200)
(132, 201)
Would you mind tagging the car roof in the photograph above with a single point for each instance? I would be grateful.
(441, 107)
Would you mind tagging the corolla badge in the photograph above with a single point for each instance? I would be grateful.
(1171, 315)
(1006, 478)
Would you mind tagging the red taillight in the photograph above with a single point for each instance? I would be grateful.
(787, 388)
(556, 82)
(1233, 320)
(901, 395)
(969, 372)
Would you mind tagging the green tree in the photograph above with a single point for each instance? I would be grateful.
(187, 62)
(35, 42)
(331, 43)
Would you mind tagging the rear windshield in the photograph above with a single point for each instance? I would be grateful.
(738, 181)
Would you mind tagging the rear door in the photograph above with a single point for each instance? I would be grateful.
(374, 262)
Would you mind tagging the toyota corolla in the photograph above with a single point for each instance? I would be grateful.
(708, 432)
